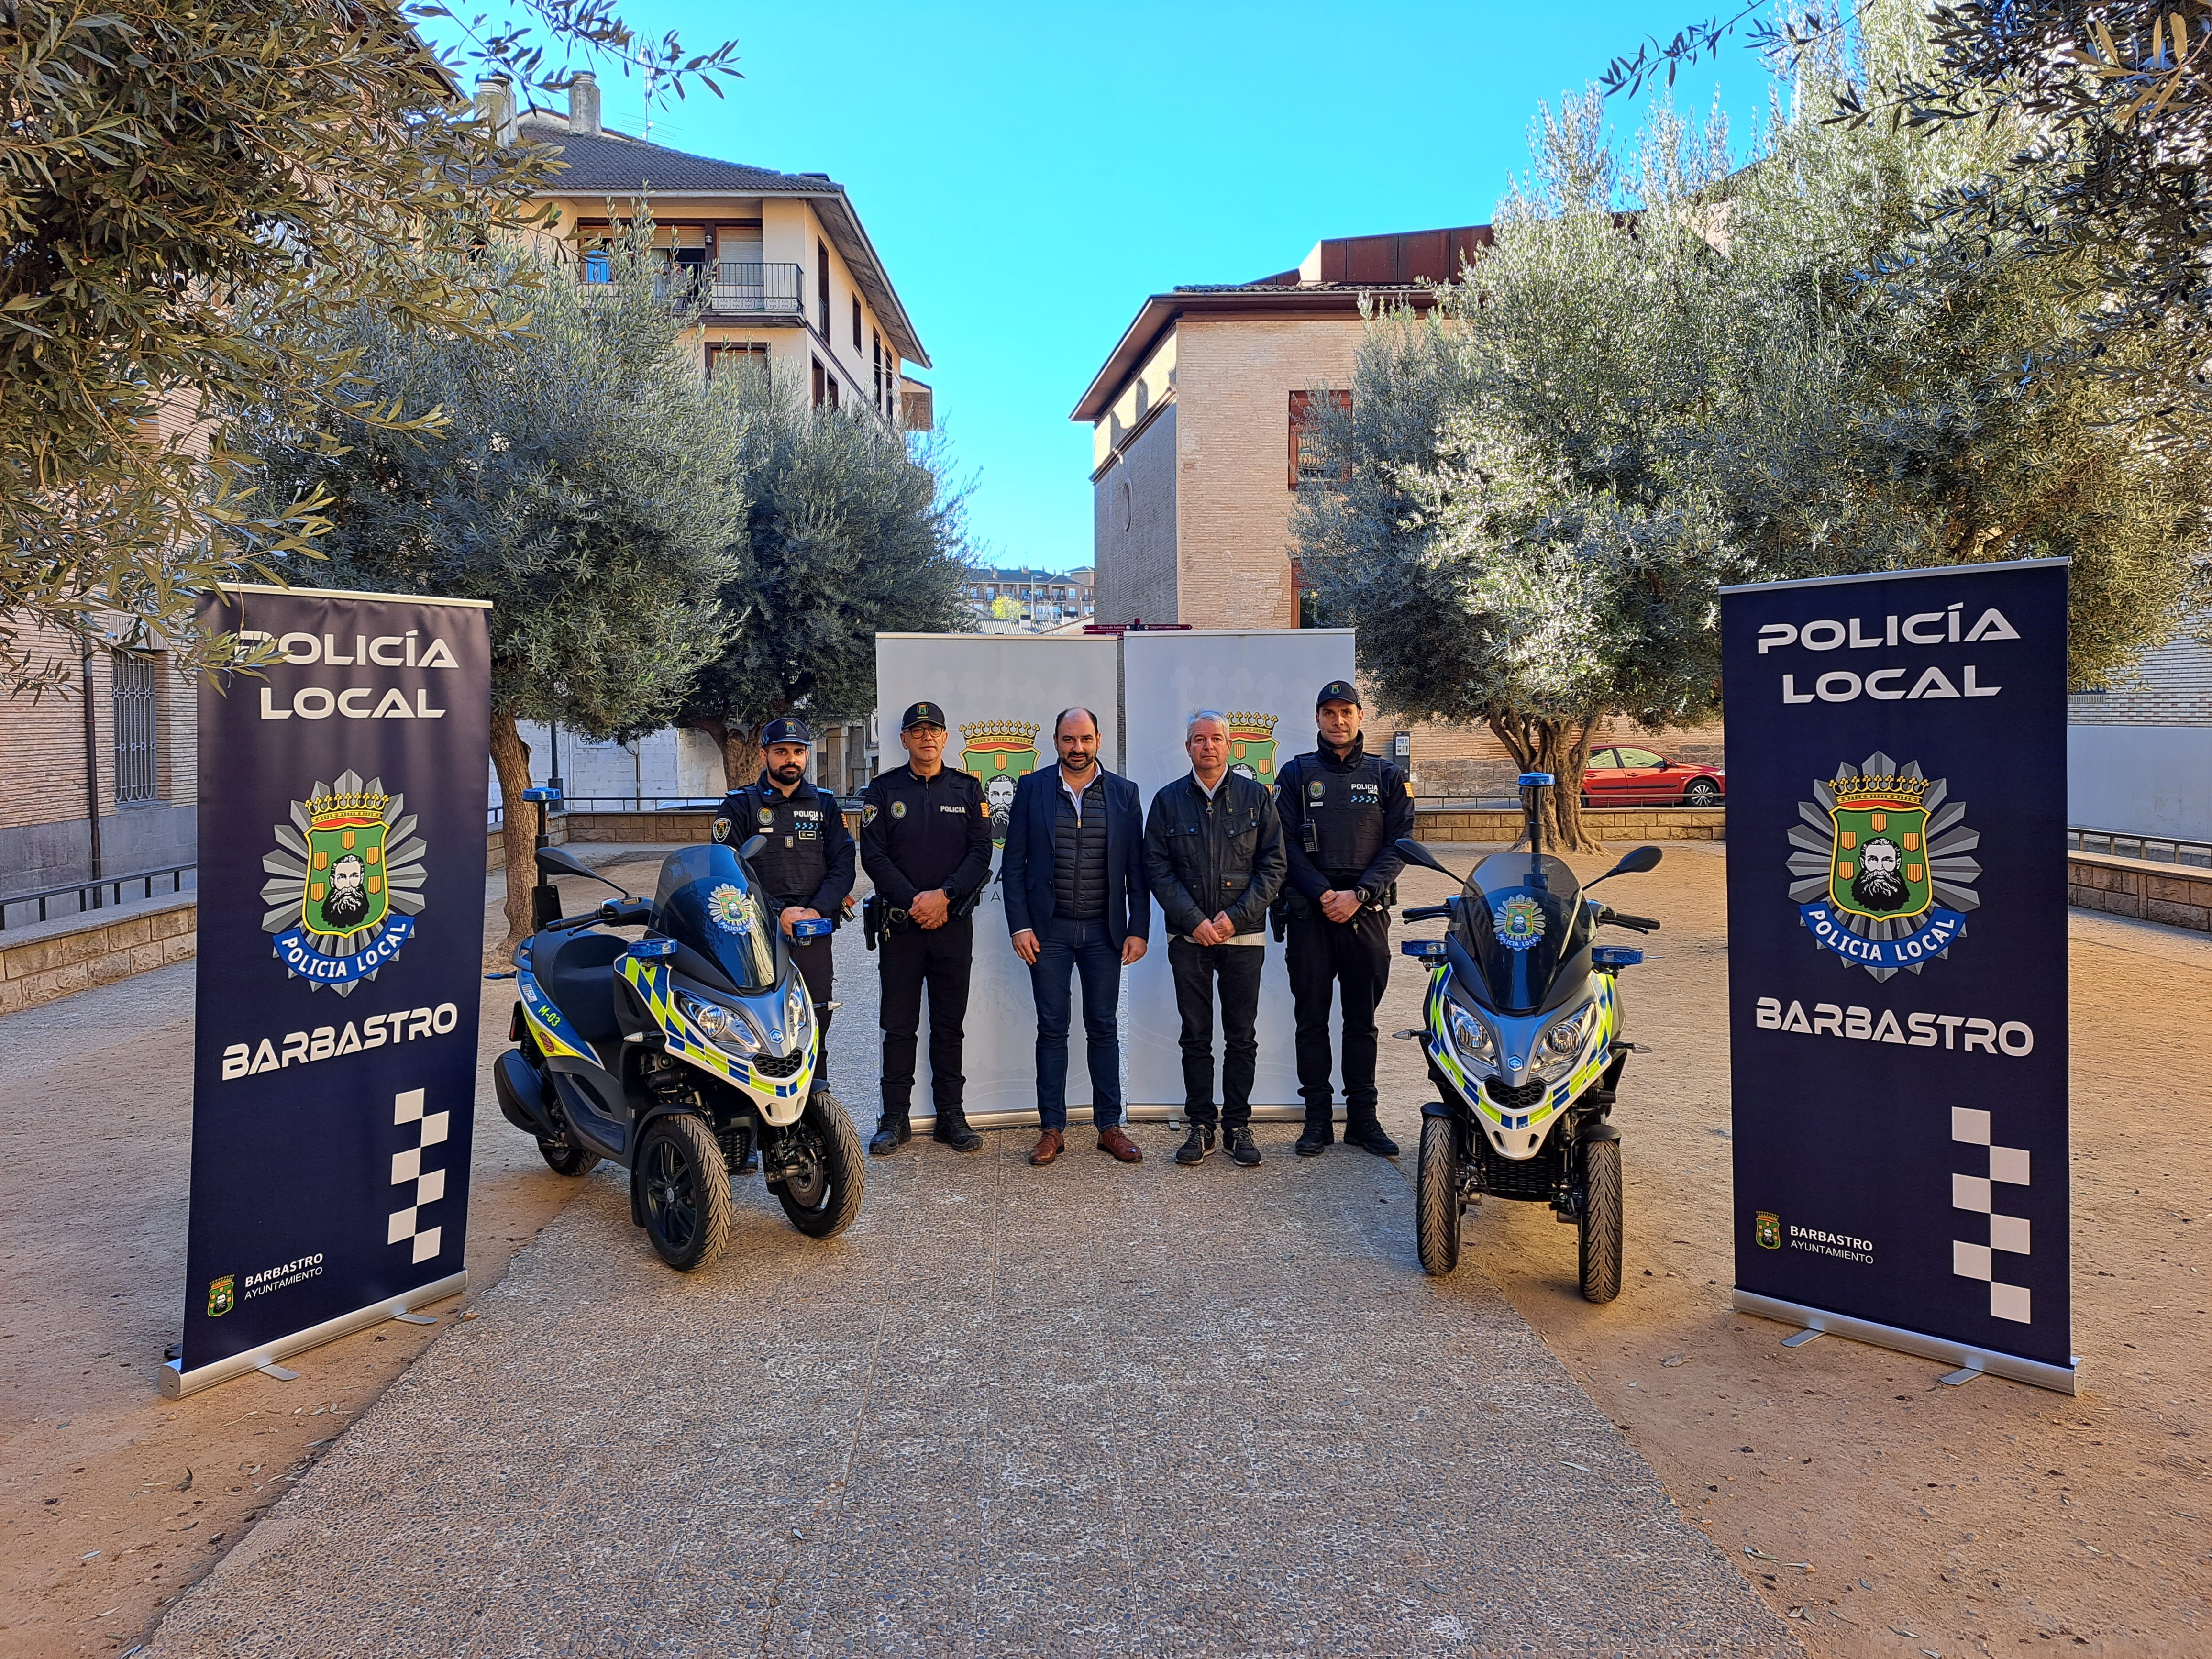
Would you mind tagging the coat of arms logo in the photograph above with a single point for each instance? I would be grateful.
(346, 883)
(1252, 746)
(1883, 878)
(996, 754)
(1767, 1231)
(1519, 923)
(222, 1294)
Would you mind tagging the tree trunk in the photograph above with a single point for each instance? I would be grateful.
(510, 758)
(1560, 747)
(741, 755)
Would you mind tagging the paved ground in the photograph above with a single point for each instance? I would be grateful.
(1088, 1410)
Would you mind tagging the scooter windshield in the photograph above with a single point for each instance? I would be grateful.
(1520, 918)
(708, 902)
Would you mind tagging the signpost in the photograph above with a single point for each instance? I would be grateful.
(341, 924)
(1896, 960)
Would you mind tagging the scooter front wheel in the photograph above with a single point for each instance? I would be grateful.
(1600, 1233)
(564, 1159)
(685, 1189)
(823, 1199)
(1437, 1196)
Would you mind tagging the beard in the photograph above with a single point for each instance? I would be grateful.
(346, 905)
(785, 776)
(1880, 890)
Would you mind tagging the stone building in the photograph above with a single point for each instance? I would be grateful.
(2139, 751)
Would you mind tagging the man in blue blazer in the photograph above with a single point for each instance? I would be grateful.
(1076, 900)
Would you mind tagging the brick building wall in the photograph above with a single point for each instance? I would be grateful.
(44, 838)
(1133, 499)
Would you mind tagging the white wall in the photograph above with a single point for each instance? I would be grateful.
(2141, 780)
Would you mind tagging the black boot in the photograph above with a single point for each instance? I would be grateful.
(1366, 1134)
(1239, 1142)
(1193, 1151)
(952, 1129)
(1319, 1136)
(892, 1132)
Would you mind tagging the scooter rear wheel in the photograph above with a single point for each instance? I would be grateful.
(823, 1202)
(1600, 1233)
(685, 1189)
(1436, 1197)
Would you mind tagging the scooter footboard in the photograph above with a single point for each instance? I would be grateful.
(522, 1097)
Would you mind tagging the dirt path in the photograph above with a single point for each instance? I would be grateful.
(112, 1498)
(1992, 1518)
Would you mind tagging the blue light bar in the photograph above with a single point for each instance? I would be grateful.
(1614, 957)
(817, 928)
(653, 948)
(1426, 949)
(541, 794)
(1536, 779)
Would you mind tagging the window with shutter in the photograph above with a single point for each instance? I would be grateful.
(1304, 411)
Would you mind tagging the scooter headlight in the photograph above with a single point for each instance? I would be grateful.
(1563, 1042)
(731, 1032)
(1472, 1037)
(798, 1016)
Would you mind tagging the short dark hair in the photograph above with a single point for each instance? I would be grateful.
(1061, 719)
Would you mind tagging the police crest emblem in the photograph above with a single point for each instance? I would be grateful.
(1519, 923)
(347, 883)
(1252, 746)
(997, 754)
(222, 1294)
(731, 907)
(1883, 878)
(1767, 1229)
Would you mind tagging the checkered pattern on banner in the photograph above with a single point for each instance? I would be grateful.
(2007, 1234)
(406, 1226)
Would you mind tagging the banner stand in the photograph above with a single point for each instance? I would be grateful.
(2061, 1378)
(176, 1381)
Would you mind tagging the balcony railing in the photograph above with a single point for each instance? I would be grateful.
(726, 290)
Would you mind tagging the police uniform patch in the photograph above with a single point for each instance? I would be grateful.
(721, 829)
(867, 816)
(1366, 794)
(767, 818)
(898, 809)
(1315, 789)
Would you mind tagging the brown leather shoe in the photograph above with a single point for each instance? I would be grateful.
(1048, 1147)
(1113, 1140)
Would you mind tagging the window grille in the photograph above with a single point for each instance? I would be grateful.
(137, 761)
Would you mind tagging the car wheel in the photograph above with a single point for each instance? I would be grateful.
(1701, 792)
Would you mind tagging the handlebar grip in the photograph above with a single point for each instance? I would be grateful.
(1641, 924)
(1424, 912)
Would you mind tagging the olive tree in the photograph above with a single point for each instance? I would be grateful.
(582, 483)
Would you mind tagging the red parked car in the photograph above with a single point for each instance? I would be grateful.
(1619, 775)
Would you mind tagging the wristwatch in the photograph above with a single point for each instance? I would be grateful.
(1365, 897)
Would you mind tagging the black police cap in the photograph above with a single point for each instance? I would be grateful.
(789, 729)
(1338, 691)
(922, 713)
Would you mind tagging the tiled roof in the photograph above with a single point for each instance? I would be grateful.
(616, 161)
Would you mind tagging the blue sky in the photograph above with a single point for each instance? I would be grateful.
(1029, 174)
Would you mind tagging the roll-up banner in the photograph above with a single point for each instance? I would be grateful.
(1001, 693)
(1264, 681)
(340, 943)
(1896, 960)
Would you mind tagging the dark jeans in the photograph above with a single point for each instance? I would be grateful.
(1196, 968)
(1085, 948)
(1353, 956)
(941, 956)
(812, 958)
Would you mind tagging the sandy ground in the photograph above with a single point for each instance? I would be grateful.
(112, 1498)
(1991, 1518)
(1994, 1518)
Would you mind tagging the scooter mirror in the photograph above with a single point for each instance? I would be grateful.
(1413, 852)
(557, 861)
(1633, 863)
(750, 850)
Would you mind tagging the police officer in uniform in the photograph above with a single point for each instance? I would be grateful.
(1343, 811)
(925, 843)
(807, 866)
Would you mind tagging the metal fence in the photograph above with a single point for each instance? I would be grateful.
(88, 896)
(2158, 849)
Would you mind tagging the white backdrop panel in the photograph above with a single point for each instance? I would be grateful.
(1000, 693)
(1168, 677)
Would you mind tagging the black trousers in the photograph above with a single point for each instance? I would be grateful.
(1197, 970)
(941, 958)
(813, 958)
(1353, 957)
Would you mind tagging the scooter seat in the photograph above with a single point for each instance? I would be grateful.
(572, 969)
